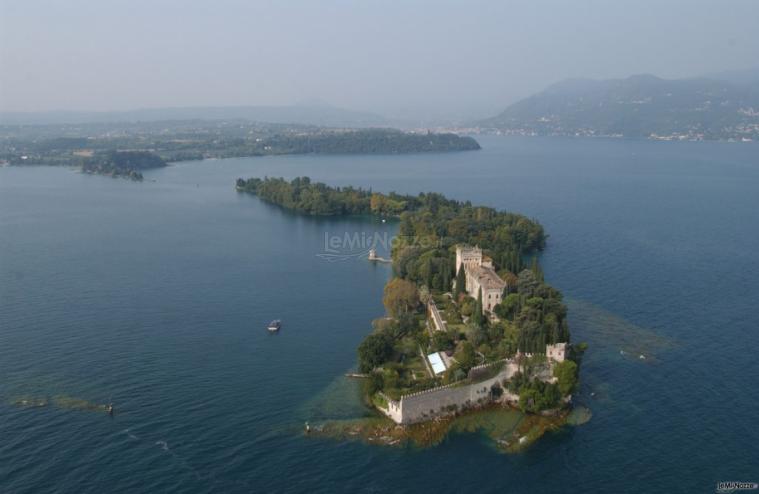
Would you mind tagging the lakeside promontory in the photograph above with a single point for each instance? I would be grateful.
(125, 149)
(471, 322)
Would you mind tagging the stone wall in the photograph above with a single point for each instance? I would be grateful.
(393, 409)
(437, 321)
(445, 400)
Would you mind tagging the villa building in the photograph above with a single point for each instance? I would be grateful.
(480, 275)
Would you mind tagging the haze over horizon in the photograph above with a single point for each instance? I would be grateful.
(415, 60)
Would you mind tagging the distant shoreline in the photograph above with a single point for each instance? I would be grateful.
(127, 150)
(502, 133)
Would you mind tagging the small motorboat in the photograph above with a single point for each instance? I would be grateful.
(274, 325)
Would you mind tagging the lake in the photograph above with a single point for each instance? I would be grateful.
(156, 296)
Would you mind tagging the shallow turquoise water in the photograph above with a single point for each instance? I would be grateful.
(156, 296)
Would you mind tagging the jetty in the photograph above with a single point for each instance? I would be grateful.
(356, 376)
(373, 257)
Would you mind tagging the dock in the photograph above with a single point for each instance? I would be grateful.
(373, 257)
(357, 376)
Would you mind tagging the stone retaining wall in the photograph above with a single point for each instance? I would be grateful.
(437, 320)
(446, 400)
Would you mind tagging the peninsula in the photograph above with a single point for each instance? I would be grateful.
(471, 321)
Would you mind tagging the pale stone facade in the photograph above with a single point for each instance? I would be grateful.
(480, 275)
(469, 256)
(557, 352)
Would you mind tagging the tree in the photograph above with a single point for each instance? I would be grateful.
(537, 395)
(374, 383)
(495, 333)
(453, 374)
(477, 317)
(460, 282)
(374, 350)
(536, 270)
(400, 297)
(407, 323)
(516, 382)
(527, 285)
(376, 203)
(566, 373)
(441, 341)
(467, 306)
(496, 391)
(529, 399)
(511, 281)
(424, 294)
(508, 307)
(465, 356)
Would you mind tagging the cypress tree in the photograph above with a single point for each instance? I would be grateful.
(460, 282)
(446, 268)
(478, 309)
(536, 269)
(516, 262)
(428, 272)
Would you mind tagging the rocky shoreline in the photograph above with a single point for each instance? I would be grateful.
(509, 430)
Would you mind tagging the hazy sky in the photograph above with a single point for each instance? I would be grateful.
(397, 58)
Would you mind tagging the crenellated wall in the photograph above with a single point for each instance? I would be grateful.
(445, 400)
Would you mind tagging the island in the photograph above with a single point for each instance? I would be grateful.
(126, 149)
(125, 164)
(471, 323)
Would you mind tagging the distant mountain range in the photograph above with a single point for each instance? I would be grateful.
(320, 115)
(725, 106)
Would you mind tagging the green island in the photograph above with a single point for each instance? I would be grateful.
(125, 164)
(471, 324)
(124, 150)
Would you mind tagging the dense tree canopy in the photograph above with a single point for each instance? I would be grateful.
(374, 350)
(400, 297)
(429, 222)
(180, 140)
(122, 163)
(566, 373)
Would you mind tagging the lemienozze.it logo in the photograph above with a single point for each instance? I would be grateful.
(733, 486)
(353, 245)
(344, 246)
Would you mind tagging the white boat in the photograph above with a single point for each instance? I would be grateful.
(274, 325)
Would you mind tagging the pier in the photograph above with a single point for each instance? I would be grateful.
(356, 375)
(375, 258)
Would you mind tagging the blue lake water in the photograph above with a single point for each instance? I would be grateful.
(156, 295)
